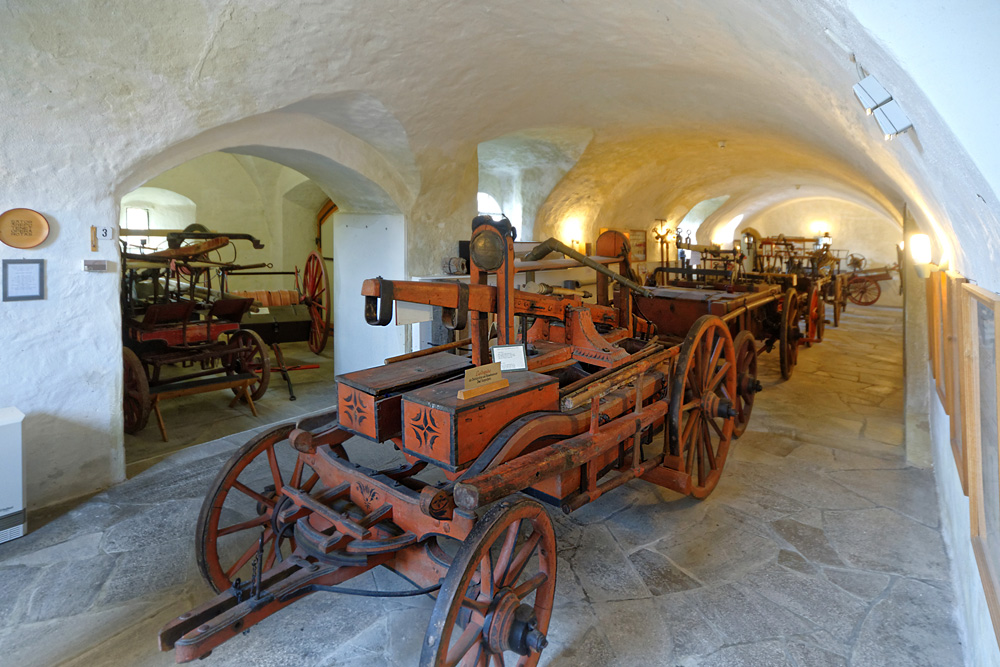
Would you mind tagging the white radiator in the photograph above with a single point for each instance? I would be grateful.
(12, 514)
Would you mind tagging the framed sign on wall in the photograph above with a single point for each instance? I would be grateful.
(23, 279)
(637, 238)
(954, 363)
(980, 315)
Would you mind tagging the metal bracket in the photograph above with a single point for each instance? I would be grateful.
(456, 319)
(380, 314)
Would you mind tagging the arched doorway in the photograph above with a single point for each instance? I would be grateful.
(276, 194)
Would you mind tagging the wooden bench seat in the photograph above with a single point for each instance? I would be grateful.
(240, 383)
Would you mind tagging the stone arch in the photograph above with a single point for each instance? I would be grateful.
(371, 191)
(352, 172)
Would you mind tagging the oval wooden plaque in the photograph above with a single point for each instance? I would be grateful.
(23, 228)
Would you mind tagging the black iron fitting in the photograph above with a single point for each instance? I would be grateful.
(503, 226)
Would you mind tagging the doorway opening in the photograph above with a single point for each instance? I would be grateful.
(225, 276)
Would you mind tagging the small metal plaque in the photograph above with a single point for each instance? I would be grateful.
(95, 265)
(23, 228)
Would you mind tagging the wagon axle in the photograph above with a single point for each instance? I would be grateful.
(748, 384)
(512, 626)
(713, 405)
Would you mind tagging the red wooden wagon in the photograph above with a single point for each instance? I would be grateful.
(602, 403)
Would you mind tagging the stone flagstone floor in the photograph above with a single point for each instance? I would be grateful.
(819, 547)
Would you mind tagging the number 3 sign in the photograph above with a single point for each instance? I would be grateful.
(100, 234)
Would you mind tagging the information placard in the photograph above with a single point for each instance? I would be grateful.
(23, 279)
(482, 375)
(482, 380)
(510, 357)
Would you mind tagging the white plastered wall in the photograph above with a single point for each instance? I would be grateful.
(228, 200)
(949, 53)
(61, 356)
(165, 209)
(365, 246)
(301, 201)
(250, 195)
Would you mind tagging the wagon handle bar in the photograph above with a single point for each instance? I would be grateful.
(552, 244)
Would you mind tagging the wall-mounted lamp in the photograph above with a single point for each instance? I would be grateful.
(891, 119)
(825, 241)
(871, 94)
(877, 102)
(920, 251)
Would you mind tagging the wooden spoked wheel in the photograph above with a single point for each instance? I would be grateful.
(497, 596)
(240, 507)
(254, 358)
(702, 403)
(135, 400)
(814, 317)
(316, 295)
(788, 344)
(856, 261)
(747, 385)
(838, 297)
(821, 320)
(863, 291)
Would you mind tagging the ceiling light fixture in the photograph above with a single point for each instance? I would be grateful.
(891, 119)
(871, 94)
(877, 102)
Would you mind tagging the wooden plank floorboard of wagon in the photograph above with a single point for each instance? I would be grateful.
(818, 547)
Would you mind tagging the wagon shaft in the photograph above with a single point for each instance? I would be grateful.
(195, 634)
(357, 519)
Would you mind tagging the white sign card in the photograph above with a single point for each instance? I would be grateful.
(413, 313)
(23, 279)
(510, 357)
